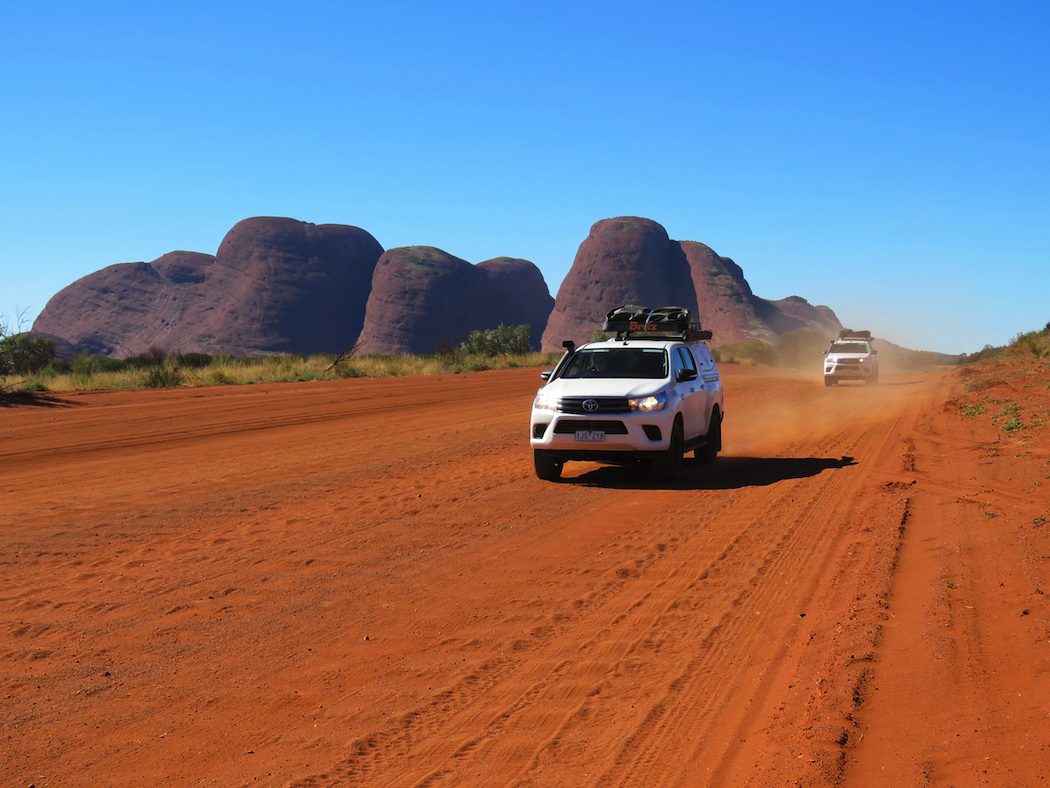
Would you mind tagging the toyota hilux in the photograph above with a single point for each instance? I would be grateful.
(851, 357)
(648, 394)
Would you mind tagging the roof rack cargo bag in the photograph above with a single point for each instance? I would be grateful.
(631, 317)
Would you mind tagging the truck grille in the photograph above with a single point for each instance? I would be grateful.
(605, 405)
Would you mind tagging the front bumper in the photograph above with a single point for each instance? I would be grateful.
(626, 434)
(849, 371)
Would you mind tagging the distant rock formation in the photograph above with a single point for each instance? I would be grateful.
(423, 297)
(275, 285)
(278, 285)
(631, 260)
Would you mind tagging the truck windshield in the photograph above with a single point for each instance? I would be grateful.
(848, 347)
(617, 363)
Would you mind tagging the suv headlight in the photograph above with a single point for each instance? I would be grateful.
(653, 402)
(546, 401)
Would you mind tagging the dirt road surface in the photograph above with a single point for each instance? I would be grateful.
(362, 583)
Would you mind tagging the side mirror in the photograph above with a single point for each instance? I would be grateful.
(686, 374)
(546, 374)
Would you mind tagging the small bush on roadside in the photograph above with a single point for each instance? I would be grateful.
(162, 378)
(988, 351)
(218, 377)
(23, 354)
(503, 340)
(348, 371)
(85, 364)
(154, 357)
(1034, 343)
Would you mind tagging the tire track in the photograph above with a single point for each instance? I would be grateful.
(602, 653)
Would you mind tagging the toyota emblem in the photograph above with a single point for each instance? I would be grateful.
(590, 405)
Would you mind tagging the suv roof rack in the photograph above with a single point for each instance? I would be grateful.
(631, 321)
(849, 333)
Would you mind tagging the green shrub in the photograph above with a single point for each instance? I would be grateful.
(23, 354)
(1034, 343)
(348, 371)
(86, 365)
(154, 357)
(503, 340)
(162, 378)
(988, 351)
(218, 377)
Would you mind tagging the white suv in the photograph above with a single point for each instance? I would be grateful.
(651, 393)
(851, 357)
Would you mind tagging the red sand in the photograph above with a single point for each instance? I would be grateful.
(363, 583)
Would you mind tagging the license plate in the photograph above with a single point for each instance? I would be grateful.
(591, 436)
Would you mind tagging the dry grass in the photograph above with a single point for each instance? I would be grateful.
(274, 369)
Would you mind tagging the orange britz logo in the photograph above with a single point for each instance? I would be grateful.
(635, 326)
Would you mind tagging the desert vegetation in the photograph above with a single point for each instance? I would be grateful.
(997, 384)
(505, 347)
(21, 354)
(27, 363)
(1032, 343)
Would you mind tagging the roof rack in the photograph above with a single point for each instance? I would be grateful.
(849, 333)
(641, 322)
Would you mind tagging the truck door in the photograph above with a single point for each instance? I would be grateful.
(692, 393)
(711, 379)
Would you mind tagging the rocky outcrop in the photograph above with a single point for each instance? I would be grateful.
(278, 285)
(275, 285)
(623, 261)
(424, 298)
(630, 260)
(290, 287)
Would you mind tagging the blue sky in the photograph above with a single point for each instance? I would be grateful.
(890, 160)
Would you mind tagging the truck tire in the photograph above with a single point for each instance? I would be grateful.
(709, 451)
(547, 468)
(668, 464)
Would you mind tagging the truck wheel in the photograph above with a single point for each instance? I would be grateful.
(547, 468)
(668, 464)
(830, 381)
(873, 380)
(710, 449)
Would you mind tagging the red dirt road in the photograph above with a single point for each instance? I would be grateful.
(362, 583)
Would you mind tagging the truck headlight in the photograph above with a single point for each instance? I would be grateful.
(653, 402)
(545, 401)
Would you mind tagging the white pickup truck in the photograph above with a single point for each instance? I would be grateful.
(649, 394)
(851, 357)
